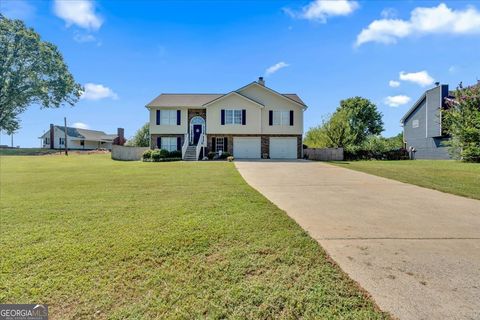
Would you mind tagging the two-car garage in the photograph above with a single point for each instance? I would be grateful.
(251, 147)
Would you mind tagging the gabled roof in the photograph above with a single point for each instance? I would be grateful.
(183, 100)
(204, 99)
(234, 93)
(86, 134)
(291, 96)
(414, 107)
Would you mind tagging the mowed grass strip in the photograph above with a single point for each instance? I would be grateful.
(93, 237)
(450, 176)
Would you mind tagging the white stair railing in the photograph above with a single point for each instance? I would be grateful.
(200, 145)
(185, 145)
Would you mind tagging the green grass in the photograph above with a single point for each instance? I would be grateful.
(93, 237)
(455, 177)
(26, 151)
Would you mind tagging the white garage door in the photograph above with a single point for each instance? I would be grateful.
(283, 148)
(246, 148)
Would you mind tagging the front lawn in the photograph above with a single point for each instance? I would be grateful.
(96, 238)
(448, 176)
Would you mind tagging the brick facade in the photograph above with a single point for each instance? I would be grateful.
(196, 112)
(264, 140)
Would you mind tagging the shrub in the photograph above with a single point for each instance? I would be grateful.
(164, 153)
(210, 155)
(147, 155)
(175, 154)
(225, 155)
(156, 155)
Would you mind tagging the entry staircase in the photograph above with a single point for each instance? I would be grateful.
(190, 151)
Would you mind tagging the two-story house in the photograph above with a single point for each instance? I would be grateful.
(422, 125)
(251, 122)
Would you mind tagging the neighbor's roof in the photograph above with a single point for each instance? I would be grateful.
(198, 99)
(85, 134)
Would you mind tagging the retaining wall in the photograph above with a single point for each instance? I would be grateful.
(128, 153)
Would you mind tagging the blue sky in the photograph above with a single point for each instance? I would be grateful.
(128, 52)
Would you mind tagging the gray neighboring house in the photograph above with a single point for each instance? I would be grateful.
(422, 125)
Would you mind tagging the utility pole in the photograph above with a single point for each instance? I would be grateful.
(65, 142)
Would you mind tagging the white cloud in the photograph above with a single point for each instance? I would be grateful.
(440, 19)
(320, 10)
(389, 13)
(97, 91)
(17, 9)
(421, 78)
(395, 101)
(81, 38)
(271, 70)
(78, 12)
(394, 84)
(80, 125)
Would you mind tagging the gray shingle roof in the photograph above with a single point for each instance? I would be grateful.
(85, 134)
(197, 99)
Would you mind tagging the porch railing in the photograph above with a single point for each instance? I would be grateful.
(185, 145)
(201, 144)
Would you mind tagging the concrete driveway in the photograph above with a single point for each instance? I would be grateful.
(416, 250)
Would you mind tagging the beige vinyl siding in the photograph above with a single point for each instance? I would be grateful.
(168, 129)
(274, 102)
(233, 102)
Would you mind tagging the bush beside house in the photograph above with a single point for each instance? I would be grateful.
(161, 155)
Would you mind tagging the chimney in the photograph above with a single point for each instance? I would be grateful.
(261, 81)
(120, 139)
(52, 135)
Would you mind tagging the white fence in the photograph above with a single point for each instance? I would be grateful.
(128, 153)
(324, 154)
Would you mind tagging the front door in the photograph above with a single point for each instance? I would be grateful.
(197, 131)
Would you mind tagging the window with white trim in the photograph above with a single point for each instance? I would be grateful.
(233, 116)
(168, 117)
(169, 143)
(219, 144)
(281, 118)
(61, 141)
(415, 123)
(46, 140)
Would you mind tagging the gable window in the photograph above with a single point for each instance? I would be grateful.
(169, 143)
(281, 118)
(168, 117)
(219, 144)
(415, 123)
(233, 116)
(46, 141)
(61, 141)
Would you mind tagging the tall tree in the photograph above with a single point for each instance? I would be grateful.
(461, 121)
(363, 117)
(32, 71)
(141, 137)
(334, 132)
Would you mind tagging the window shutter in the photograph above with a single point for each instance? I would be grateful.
(225, 144)
(213, 145)
(222, 115)
(158, 117)
(244, 117)
(270, 117)
(159, 142)
(179, 113)
(179, 143)
(291, 117)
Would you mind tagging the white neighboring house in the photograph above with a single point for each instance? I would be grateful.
(253, 121)
(79, 139)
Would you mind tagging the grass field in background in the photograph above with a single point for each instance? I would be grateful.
(92, 237)
(26, 151)
(450, 176)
